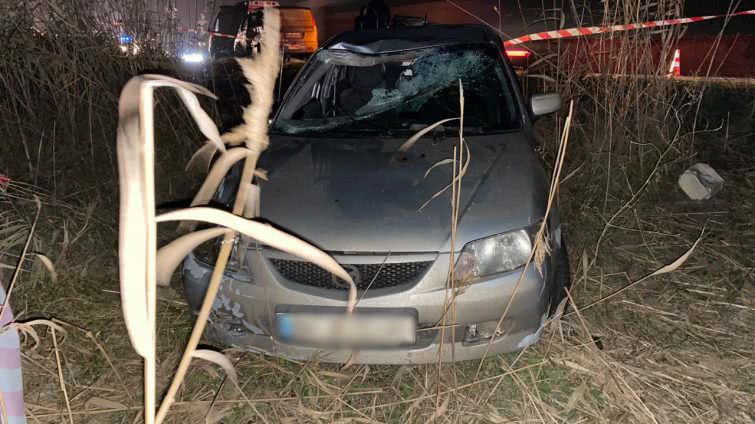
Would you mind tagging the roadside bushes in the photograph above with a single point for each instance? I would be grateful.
(61, 72)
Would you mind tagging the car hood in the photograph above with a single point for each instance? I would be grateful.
(360, 195)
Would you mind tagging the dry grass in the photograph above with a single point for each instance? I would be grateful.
(672, 348)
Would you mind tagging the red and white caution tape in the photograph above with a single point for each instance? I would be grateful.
(576, 32)
(200, 31)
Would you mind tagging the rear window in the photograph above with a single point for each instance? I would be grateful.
(296, 17)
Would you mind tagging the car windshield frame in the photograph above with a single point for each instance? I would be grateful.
(343, 125)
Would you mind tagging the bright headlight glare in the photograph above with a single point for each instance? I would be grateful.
(493, 255)
(192, 57)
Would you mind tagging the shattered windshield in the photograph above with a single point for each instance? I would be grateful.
(348, 94)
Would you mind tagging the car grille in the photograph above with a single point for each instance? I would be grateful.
(384, 275)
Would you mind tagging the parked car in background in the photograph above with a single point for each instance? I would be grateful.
(298, 30)
(236, 30)
(224, 28)
(336, 177)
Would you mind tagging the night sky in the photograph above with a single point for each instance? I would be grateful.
(515, 12)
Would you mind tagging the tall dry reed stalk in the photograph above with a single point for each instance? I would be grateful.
(139, 266)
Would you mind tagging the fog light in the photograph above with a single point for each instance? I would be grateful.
(482, 331)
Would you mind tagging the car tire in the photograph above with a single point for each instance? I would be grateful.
(561, 276)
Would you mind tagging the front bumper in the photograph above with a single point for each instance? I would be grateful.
(246, 305)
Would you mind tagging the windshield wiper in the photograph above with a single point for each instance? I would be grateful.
(368, 131)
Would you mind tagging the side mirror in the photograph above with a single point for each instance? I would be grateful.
(545, 103)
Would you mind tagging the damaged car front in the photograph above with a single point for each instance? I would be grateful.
(336, 177)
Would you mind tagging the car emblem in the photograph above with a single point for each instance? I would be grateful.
(353, 271)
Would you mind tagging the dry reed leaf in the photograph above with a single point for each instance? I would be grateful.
(48, 264)
(24, 329)
(414, 138)
(437, 164)
(102, 403)
(170, 255)
(137, 230)
(204, 122)
(27, 328)
(200, 160)
(268, 235)
(678, 262)
(133, 91)
(663, 270)
(559, 312)
(210, 185)
(218, 359)
(454, 181)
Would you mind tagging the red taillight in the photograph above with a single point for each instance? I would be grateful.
(518, 53)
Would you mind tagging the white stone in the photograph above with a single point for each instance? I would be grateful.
(700, 182)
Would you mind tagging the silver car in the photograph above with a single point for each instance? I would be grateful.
(337, 179)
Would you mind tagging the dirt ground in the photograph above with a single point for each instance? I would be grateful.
(671, 348)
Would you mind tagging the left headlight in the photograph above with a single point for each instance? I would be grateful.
(493, 255)
(208, 251)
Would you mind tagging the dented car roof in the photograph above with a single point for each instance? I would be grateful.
(388, 41)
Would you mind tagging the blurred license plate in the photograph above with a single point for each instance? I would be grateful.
(346, 331)
(294, 35)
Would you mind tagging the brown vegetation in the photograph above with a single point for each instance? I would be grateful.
(632, 347)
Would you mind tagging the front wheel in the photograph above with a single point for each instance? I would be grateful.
(561, 276)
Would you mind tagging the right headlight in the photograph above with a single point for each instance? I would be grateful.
(493, 255)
